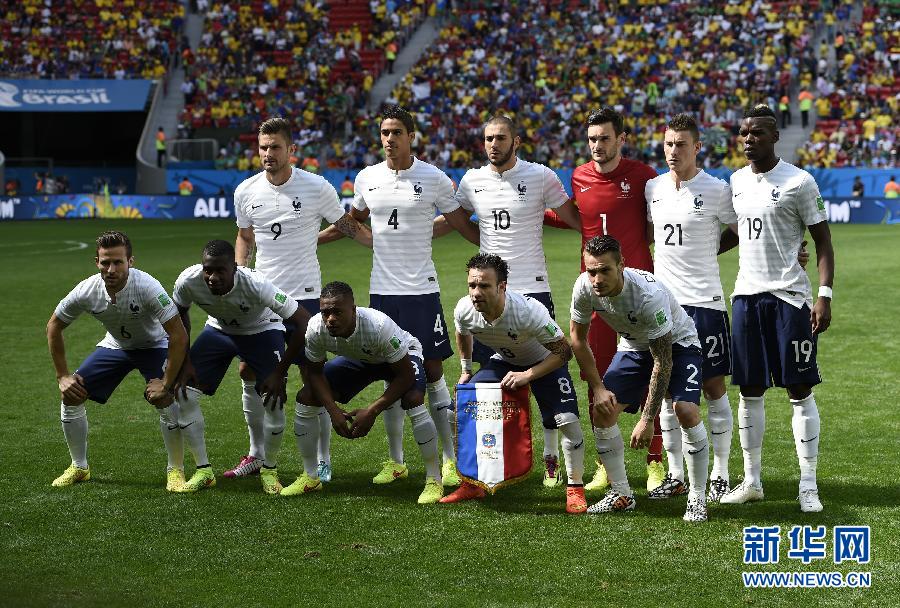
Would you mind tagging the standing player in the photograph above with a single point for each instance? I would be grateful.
(402, 196)
(775, 324)
(687, 208)
(659, 353)
(530, 349)
(369, 347)
(241, 305)
(609, 192)
(279, 212)
(510, 195)
(143, 332)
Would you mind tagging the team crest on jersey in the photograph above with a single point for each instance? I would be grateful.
(296, 204)
(417, 190)
(625, 187)
(512, 336)
(632, 317)
(134, 308)
(698, 203)
(244, 308)
(775, 197)
(522, 190)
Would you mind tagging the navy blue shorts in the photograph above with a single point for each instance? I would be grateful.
(554, 393)
(105, 368)
(422, 316)
(714, 331)
(772, 343)
(628, 376)
(312, 307)
(348, 377)
(482, 353)
(213, 351)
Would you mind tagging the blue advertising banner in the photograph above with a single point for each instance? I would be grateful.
(73, 95)
(67, 206)
(62, 206)
(832, 182)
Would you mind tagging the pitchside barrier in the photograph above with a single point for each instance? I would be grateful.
(841, 210)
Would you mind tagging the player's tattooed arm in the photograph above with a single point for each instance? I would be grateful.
(351, 228)
(661, 349)
(244, 245)
(561, 349)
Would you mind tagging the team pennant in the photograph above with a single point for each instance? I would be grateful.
(493, 434)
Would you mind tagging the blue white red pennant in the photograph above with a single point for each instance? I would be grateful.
(493, 434)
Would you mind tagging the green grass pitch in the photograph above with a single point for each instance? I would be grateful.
(122, 540)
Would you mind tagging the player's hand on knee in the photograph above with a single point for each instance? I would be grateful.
(341, 422)
(273, 391)
(514, 380)
(157, 394)
(186, 377)
(605, 402)
(72, 388)
(642, 434)
(363, 419)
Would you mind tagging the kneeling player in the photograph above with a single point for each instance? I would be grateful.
(370, 348)
(143, 332)
(658, 352)
(530, 349)
(241, 305)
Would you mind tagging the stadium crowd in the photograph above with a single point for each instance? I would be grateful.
(257, 60)
(857, 103)
(92, 39)
(712, 58)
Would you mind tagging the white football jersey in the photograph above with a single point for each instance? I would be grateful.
(134, 321)
(286, 220)
(402, 206)
(645, 310)
(252, 306)
(518, 335)
(687, 224)
(773, 211)
(510, 209)
(376, 339)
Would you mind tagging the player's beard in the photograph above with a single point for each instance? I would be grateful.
(503, 159)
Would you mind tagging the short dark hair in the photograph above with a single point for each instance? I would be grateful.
(113, 238)
(684, 122)
(399, 113)
(218, 247)
(605, 115)
(599, 245)
(337, 289)
(275, 125)
(502, 119)
(483, 261)
(761, 110)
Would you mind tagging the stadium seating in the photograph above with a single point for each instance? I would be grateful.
(312, 62)
(858, 100)
(89, 39)
(549, 62)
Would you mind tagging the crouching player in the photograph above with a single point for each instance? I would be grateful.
(143, 332)
(530, 349)
(658, 352)
(245, 320)
(370, 347)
